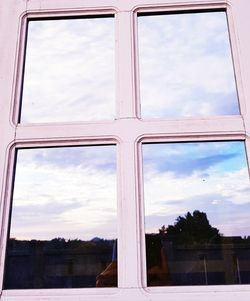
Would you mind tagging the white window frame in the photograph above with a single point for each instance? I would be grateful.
(128, 131)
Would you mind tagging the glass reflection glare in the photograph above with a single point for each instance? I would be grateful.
(69, 71)
(63, 226)
(197, 204)
(186, 66)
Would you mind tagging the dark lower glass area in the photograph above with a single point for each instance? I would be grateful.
(175, 258)
(59, 263)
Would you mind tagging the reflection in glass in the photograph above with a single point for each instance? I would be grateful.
(69, 70)
(197, 204)
(63, 226)
(186, 66)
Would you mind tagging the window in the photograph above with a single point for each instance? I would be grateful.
(63, 228)
(196, 206)
(100, 113)
(69, 70)
(186, 65)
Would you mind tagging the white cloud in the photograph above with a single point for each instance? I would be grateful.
(185, 65)
(66, 201)
(69, 71)
(221, 188)
(216, 202)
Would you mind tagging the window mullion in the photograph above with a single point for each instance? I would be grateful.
(9, 38)
(241, 24)
(125, 69)
(128, 250)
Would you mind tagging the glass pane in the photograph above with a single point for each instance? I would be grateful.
(186, 66)
(63, 228)
(69, 71)
(197, 204)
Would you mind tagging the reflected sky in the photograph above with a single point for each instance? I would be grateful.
(69, 71)
(186, 66)
(67, 192)
(211, 177)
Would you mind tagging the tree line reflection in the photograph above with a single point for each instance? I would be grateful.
(61, 263)
(189, 252)
(192, 252)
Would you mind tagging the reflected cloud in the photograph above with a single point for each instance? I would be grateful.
(94, 158)
(217, 184)
(69, 69)
(185, 166)
(186, 66)
(70, 197)
(196, 157)
(51, 210)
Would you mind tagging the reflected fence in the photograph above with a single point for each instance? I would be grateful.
(171, 263)
(60, 264)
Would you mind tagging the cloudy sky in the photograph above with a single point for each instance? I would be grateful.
(65, 192)
(185, 66)
(211, 177)
(69, 71)
(185, 70)
(70, 192)
(184, 60)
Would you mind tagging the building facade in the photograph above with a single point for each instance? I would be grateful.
(124, 146)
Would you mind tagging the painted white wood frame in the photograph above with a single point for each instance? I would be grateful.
(128, 131)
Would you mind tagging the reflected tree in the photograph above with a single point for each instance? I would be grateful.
(191, 228)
